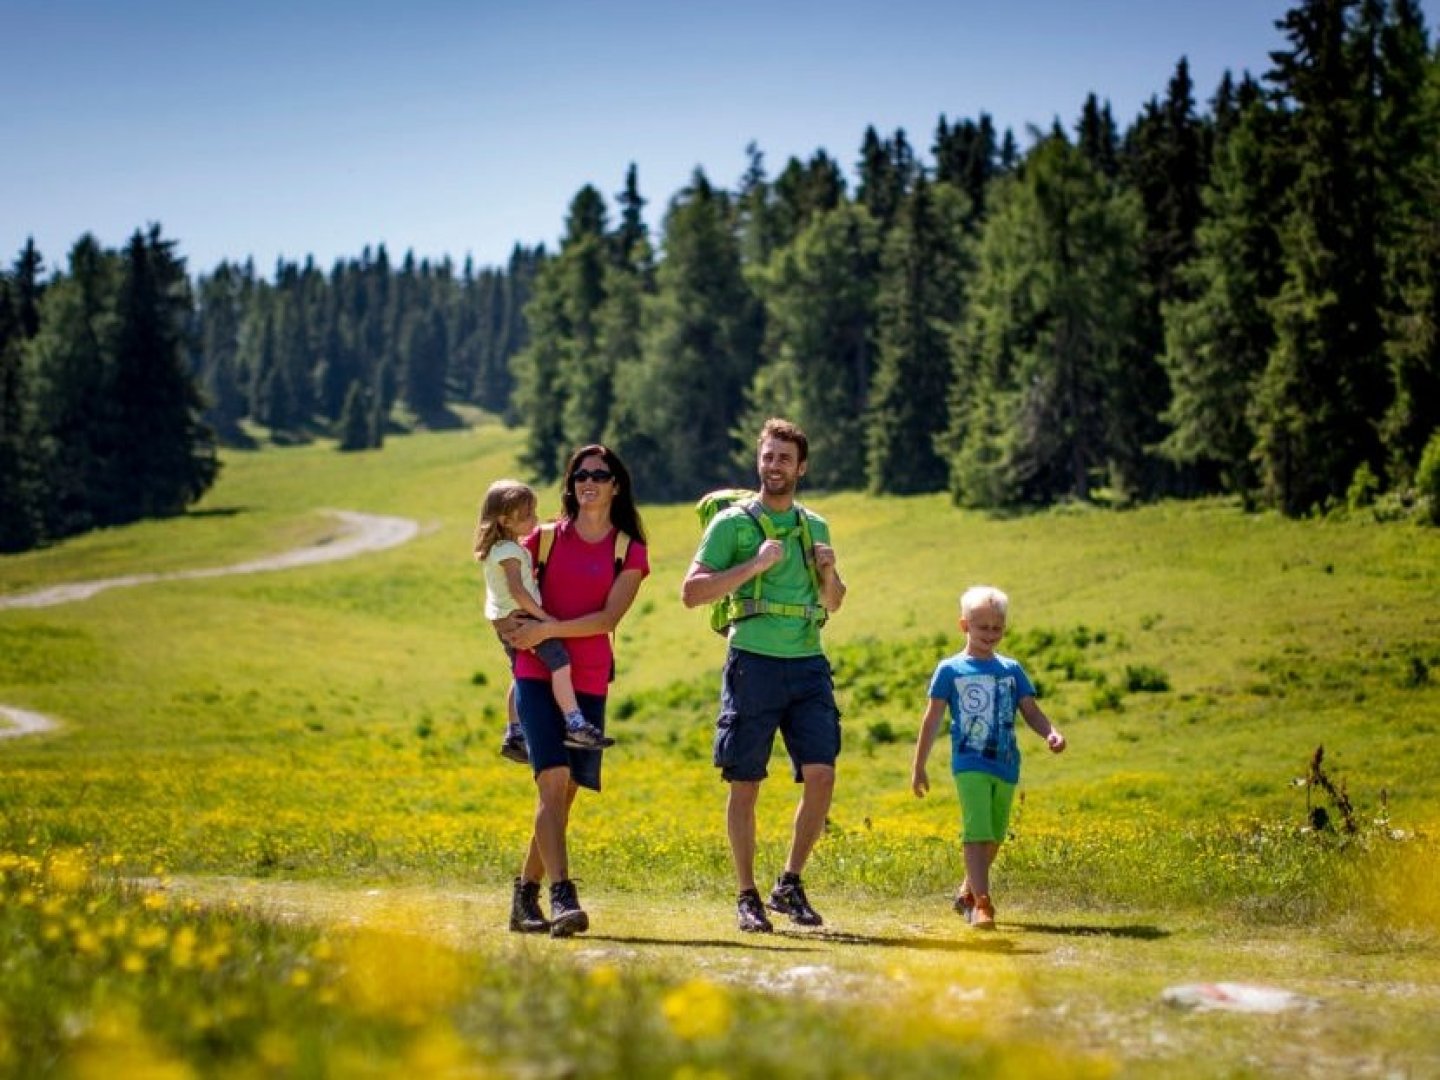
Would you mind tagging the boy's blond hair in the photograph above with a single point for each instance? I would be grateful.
(502, 499)
(978, 596)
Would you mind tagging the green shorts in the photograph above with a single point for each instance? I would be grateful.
(985, 802)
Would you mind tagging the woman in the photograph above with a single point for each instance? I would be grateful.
(588, 589)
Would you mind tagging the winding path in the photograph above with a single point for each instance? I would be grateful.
(362, 533)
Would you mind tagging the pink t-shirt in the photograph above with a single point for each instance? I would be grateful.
(577, 581)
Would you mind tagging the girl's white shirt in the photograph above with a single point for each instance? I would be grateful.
(498, 601)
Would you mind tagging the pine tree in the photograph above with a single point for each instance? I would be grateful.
(802, 191)
(757, 219)
(1408, 130)
(676, 409)
(158, 457)
(1040, 358)
(565, 380)
(353, 428)
(1218, 340)
(888, 170)
(820, 295)
(632, 238)
(919, 301)
(220, 314)
(425, 359)
(1324, 387)
(27, 288)
(965, 157)
(1098, 139)
(19, 527)
(71, 359)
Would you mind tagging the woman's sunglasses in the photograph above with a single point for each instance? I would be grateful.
(600, 476)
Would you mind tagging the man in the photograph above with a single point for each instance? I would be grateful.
(776, 676)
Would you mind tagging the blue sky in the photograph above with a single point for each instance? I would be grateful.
(447, 128)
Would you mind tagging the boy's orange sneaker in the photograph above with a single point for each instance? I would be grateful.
(982, 917)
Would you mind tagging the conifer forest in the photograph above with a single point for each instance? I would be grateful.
(1236, 291)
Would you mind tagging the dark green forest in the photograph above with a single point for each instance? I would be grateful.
(1237, 292)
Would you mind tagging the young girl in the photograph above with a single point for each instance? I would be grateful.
(507, 514)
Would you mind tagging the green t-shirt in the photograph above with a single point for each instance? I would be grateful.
(733, 537)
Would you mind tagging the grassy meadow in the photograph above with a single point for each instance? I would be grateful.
(272, 835)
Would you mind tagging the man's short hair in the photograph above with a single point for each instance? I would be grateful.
(776, 428)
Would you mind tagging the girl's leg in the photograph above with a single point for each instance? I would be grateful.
(563, 687)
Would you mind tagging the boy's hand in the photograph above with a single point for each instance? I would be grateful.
(919, 781)
(1055, 741)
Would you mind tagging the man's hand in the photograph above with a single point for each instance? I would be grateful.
(770, 553)
(824, 559)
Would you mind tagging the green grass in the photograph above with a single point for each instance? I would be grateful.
(300, 739)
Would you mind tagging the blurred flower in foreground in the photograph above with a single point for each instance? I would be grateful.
(698, 1009)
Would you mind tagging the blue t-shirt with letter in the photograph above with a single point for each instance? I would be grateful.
(982, 696)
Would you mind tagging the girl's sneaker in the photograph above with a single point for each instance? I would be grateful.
(514, 749)
(583, 735)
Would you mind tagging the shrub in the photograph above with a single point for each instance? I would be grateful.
(1142, 678)
(1364, 487)
(1427, 481)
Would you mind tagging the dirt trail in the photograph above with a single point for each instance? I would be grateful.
(25, 722)
(364, 533)
(360, 533)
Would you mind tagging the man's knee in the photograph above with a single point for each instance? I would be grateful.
(818, 778)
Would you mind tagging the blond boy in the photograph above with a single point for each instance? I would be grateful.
(982, 691)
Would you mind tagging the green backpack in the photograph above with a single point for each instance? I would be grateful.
(750, 600)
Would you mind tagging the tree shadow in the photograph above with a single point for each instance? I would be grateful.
(1134, 933)
(794, 942)
(977, 942)
(441, 419)
(756, 944)
(217, 511)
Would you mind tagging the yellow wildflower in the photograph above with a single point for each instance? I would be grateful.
(698, 1009)
(68, 870)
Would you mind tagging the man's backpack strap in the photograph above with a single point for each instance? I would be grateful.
(737, 607)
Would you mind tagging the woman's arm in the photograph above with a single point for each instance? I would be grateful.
(617, 604)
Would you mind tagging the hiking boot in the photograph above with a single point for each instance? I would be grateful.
(788, 898)
(514, 748)
(982, 917)
(525, 914)
(566, 915)
(586, 736)
(750, 913)
(965, 903)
